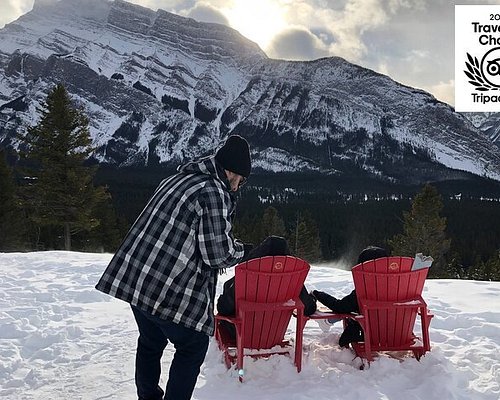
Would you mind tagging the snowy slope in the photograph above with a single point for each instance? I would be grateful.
(487, 122)
(62, 339)
(160, 88)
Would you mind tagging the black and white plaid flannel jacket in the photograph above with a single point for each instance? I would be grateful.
(168, 263)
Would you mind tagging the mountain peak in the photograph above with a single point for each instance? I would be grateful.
(92, 9)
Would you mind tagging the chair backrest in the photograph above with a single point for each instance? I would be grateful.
(389, 279)
(264, 280)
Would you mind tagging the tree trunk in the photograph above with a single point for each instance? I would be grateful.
(297, 234)
(67, 237)
(37, 238)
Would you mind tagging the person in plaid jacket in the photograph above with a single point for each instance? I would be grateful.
(167, 266)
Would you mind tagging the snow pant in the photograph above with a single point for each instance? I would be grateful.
(190, 349)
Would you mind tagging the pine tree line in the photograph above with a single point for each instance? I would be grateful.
(302, 234)
(343, 229)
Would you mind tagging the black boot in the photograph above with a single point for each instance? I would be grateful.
(352, 333)
(157, 396)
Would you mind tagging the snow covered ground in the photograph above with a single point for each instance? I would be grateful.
(62, 339)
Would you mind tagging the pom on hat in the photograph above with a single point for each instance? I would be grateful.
(235, 156)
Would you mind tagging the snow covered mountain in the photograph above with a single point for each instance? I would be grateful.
(488, 123)
(160, 88)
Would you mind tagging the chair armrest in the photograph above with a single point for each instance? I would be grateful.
(416, 302)
(329, 315)
(292, 304)
(227, 318)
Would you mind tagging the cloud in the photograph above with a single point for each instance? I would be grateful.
(416, 47)
(444, 91)
(325, 35)
(348, 21)
(205, 12)
(13, 9)
(297, 44)
(412, 41)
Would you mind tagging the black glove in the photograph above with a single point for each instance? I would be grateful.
(325, 299)
(347, 304)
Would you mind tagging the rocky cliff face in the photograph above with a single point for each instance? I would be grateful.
(160, 88)
(488, 123)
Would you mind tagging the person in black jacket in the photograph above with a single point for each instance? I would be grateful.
(271, 246)
(349, 303)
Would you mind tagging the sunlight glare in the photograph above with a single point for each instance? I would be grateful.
(258, 20)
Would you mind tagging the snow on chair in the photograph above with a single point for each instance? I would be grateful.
(266, 293)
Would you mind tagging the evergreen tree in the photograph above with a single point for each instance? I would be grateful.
(6, 194)
(454, 267)
(272, 224)
(11, 221)
(61, 193)
(488, 270)
(424, 231)
(492, 268)
(305, 240)
(110, 232)
(248, 229)
(254, 228)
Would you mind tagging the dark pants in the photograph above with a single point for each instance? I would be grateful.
(190, 350)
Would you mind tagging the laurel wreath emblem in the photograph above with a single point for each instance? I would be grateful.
(476, 76)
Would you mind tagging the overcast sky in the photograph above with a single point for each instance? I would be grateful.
(412, 41)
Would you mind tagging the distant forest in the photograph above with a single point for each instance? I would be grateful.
(349, 213)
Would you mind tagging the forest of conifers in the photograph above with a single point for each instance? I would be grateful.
(348, 215)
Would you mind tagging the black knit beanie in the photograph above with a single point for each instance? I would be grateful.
(371, 253)
(235, 156)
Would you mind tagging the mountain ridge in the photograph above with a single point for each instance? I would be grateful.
(160, 88)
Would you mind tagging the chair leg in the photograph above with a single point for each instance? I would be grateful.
(368, 347)
(299, 339)
(425, 329)
(227, 358)
(239, 352)
(217, 334)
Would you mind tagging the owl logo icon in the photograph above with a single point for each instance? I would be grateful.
(493, 67)
(484, 75)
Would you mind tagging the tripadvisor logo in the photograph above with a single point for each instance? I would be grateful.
(484, 72)
(484, 75)
(477, 58)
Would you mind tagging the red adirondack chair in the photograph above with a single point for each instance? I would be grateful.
(390, 298)
(389, 295)
(266, 293)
